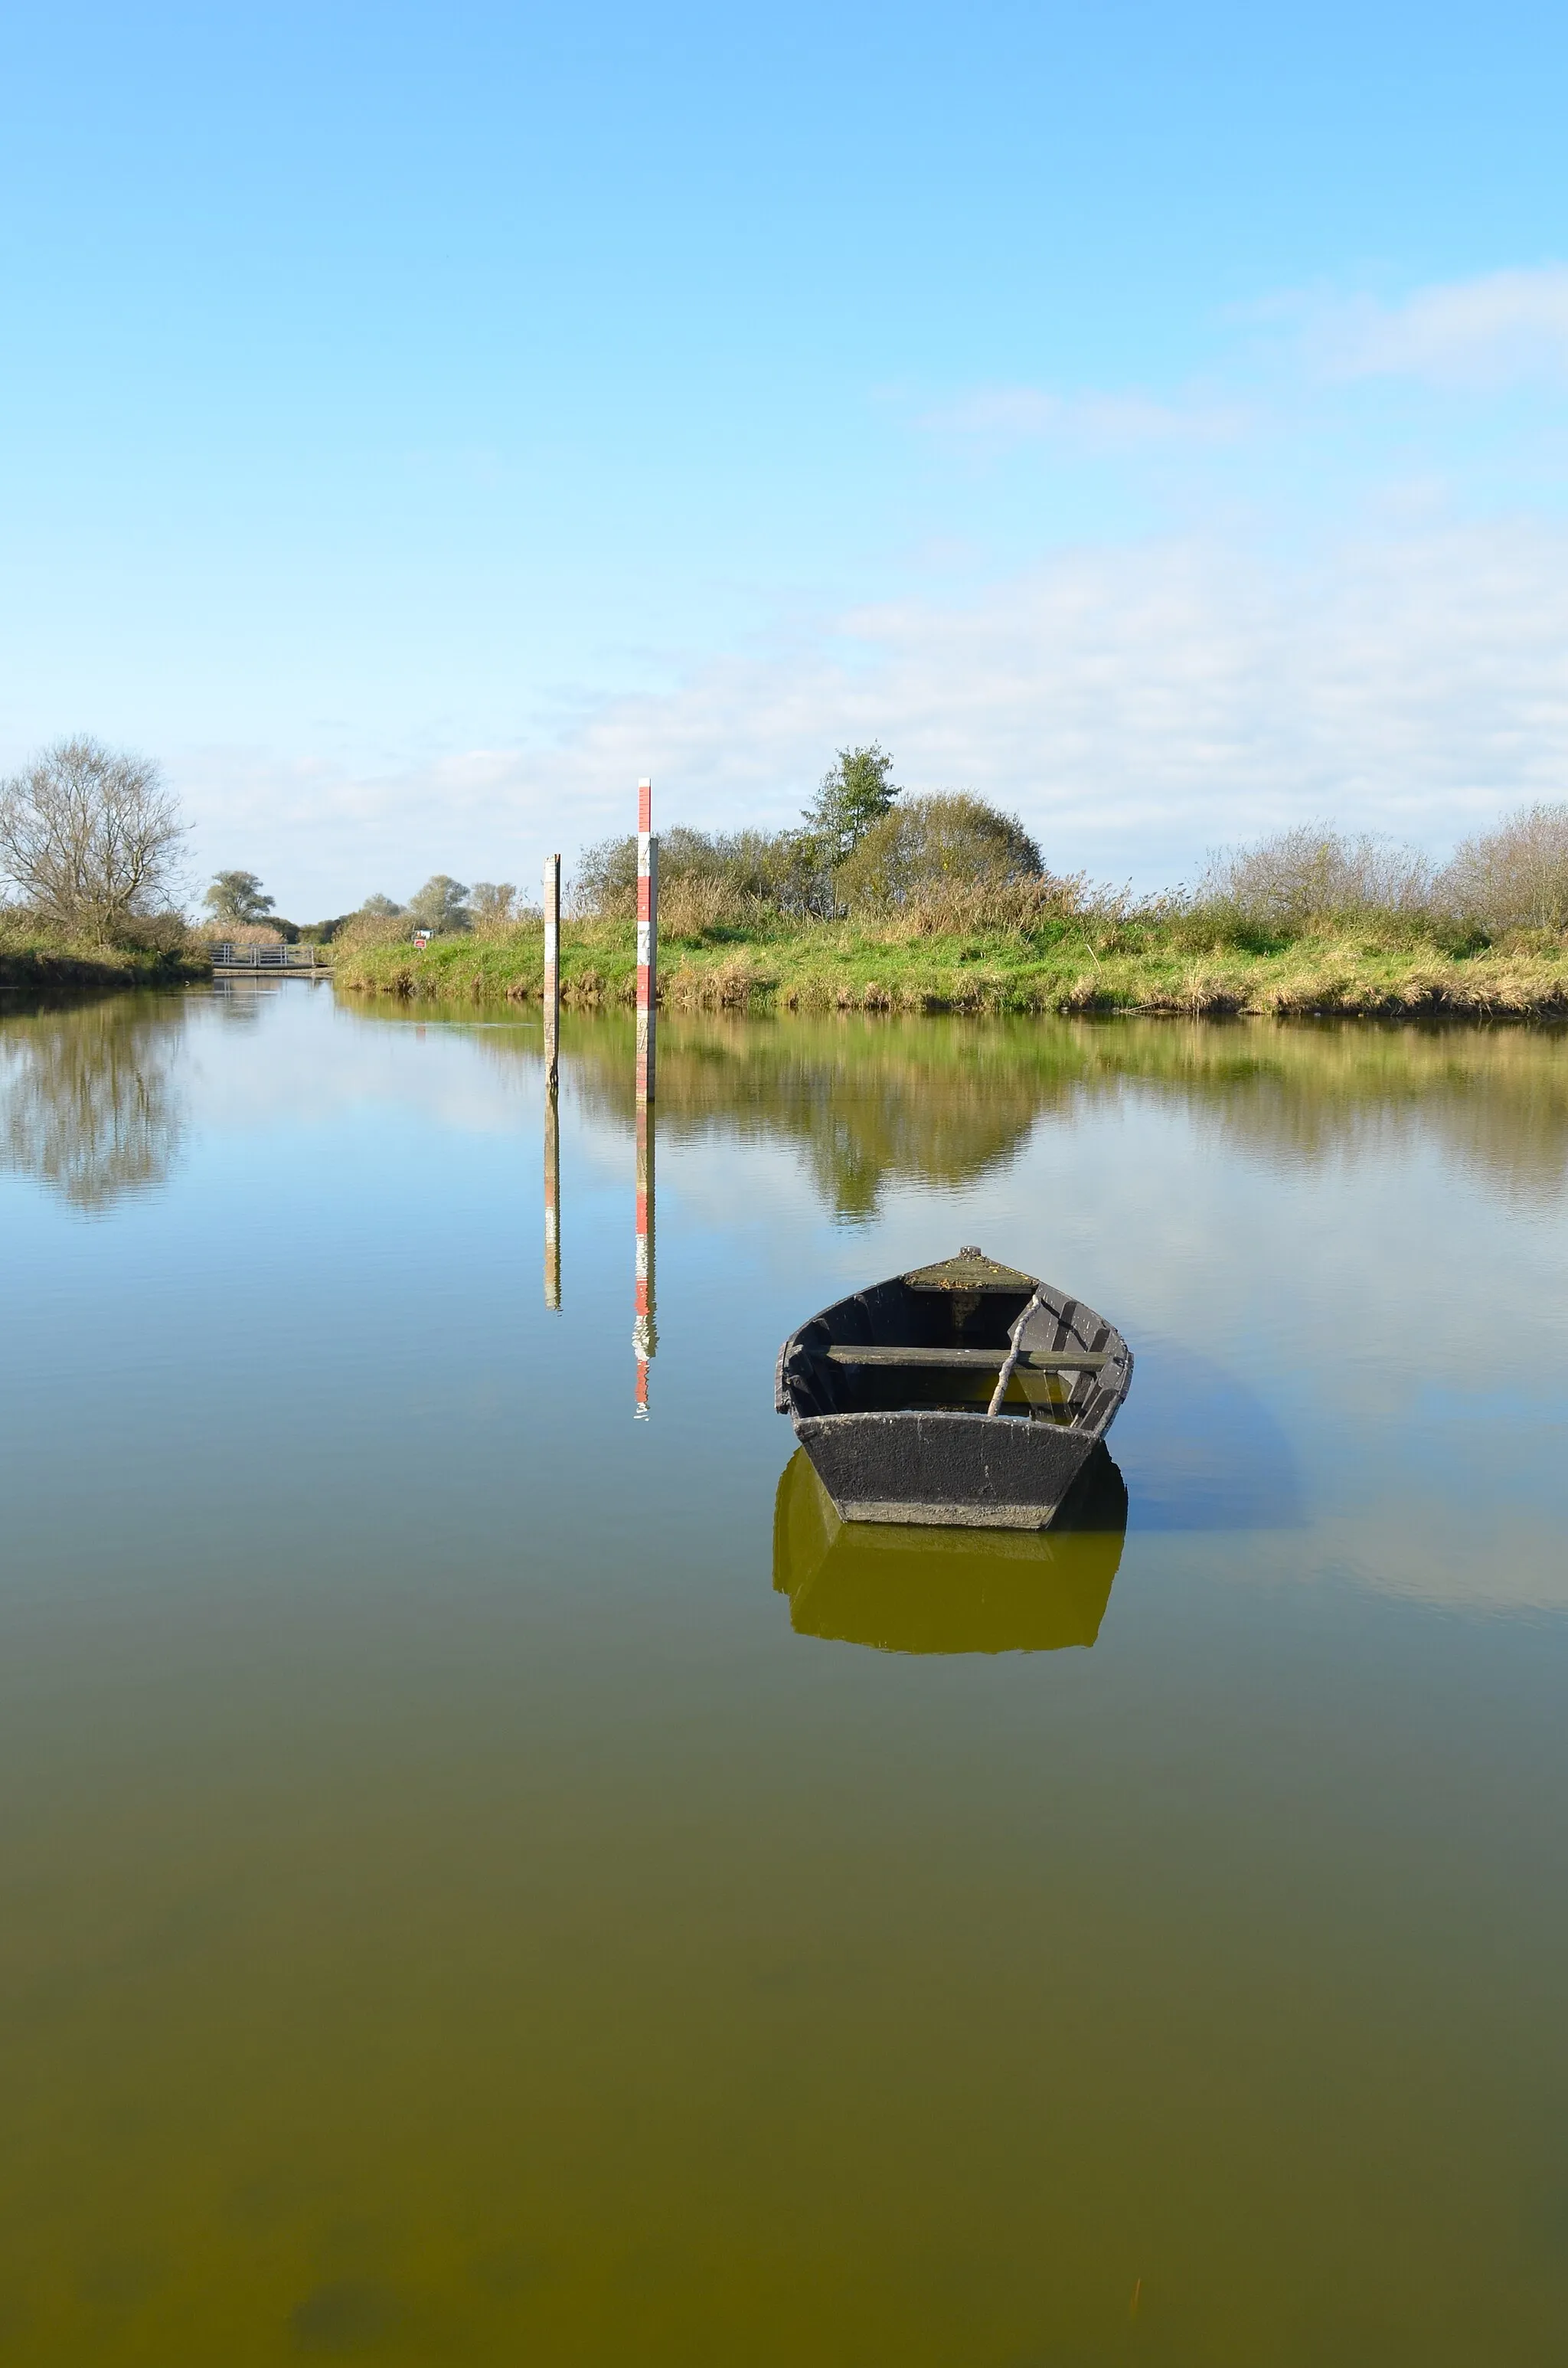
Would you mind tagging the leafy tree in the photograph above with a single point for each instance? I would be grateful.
(493, 903)
(381, 908)
(90, 838)
(236, 896)
(856, 791)
(439, 906)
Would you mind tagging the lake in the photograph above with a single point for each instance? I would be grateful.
(487, 1875)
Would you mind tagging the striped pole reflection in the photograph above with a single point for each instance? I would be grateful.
(644, 1329)
(552, 1199)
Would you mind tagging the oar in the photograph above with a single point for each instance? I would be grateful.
(1014, 1350)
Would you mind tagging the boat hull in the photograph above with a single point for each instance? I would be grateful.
(949, 1470)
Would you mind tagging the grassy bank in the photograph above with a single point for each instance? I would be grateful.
(34, 962)
(858, 966)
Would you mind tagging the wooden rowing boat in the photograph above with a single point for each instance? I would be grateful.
(964, 1394)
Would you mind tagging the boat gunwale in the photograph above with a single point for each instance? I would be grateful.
(1108, 1392)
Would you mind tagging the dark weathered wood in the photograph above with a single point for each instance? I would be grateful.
(1036, 1360)
(940, 1462)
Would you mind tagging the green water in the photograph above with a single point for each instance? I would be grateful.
(486, 1877)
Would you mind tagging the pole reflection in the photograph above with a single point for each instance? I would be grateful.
(644, 1329)
(552, 1197)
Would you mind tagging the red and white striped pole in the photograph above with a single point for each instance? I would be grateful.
(647, 938)
(644, 1331)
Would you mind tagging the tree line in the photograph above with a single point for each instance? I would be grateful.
(92, 843)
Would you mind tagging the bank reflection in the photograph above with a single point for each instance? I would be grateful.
(90, 1101)
(918, 1590)
(943, 1101)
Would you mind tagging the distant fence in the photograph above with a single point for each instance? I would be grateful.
(306, 958)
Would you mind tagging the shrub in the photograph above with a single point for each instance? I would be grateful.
(707, 878)
(239, 933)
(370, 926)
(1308, 878)
(1514, 877)
(933, 844)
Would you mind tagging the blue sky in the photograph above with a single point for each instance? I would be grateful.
(417, 422)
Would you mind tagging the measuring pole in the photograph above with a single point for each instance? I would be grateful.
(552, 969)
(647, 938)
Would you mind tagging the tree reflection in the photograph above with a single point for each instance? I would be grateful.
(941, 1101)
(876, 1101)
(90, 1103)
(868, 1102)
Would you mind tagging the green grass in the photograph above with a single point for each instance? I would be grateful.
(856, 966)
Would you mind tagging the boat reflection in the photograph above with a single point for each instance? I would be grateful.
(919, 1590)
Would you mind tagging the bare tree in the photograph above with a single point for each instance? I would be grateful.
(1516, 876)
(90, 838)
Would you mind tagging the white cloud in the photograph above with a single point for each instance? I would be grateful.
(1482, 333)
(1135, 706)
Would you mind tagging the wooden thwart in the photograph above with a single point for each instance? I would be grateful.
(1036, 1360)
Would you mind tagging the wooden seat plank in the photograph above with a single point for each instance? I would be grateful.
(1037, 1360)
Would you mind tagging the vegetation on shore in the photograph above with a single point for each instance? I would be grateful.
(875, 902)
(941, 904)
(1148, 962)
(40, 959)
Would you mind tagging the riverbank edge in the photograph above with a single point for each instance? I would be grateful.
(45, 970)
(856, 972)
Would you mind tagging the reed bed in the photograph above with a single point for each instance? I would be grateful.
(1089, 962)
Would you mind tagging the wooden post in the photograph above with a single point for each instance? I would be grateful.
(647, 940)
(552, 1199)
(644, 1330)
(552, 969)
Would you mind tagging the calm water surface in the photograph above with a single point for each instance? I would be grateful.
(485, 1877)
